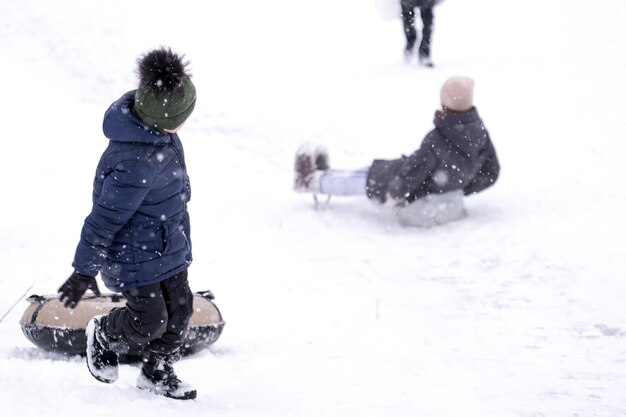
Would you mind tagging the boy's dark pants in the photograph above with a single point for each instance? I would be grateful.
(408, 20)
(155, 317)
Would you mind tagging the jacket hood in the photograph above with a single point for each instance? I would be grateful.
(120, 124)
(464, 130)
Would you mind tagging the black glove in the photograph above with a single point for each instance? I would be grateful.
(75, 287)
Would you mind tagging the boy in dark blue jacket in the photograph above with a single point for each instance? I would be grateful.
(137, 235)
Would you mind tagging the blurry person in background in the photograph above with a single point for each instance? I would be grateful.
(408, 19)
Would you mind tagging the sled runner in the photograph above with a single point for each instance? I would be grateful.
(51, 326)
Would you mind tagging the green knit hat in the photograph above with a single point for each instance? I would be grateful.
(166, 96)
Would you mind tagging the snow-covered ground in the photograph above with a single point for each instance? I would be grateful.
(517, 310)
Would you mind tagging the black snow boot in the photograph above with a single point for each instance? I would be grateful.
(425, 61)
(101, 360)
(158, 376)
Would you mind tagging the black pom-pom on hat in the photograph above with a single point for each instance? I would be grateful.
(166, 96)
(161, 70)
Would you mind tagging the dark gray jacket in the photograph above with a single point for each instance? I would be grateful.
(456, 155)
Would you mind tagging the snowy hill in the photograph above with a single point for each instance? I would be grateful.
(516, 310)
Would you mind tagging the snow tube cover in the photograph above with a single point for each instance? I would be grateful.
(51, 326)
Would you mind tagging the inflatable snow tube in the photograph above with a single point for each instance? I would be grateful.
(51, 326)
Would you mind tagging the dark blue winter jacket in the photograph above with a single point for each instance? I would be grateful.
(456, 155)
(138, 230)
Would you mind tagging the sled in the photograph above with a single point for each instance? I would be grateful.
(433, 210)
(53, 327)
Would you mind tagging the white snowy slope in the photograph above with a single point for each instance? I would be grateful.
(516, 310)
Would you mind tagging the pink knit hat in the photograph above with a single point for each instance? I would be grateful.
(457, 93)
